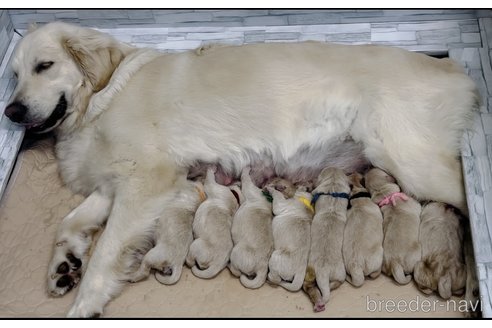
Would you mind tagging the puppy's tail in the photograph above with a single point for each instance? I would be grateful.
(444, 286)
(310, 287)
(356, 277)
(296, 283)
(209, 272)
(256, 282)
(399, 274)
(169, 279)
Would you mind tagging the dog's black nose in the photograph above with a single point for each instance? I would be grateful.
(16, 112)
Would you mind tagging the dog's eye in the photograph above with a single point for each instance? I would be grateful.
(43, 66)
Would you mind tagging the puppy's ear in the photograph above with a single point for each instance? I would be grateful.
(96, 54)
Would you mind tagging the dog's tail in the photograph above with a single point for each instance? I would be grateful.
(169, 279)
(296, 283)
(257, 281)
(399, 274)
(356, 276)
(209, 272)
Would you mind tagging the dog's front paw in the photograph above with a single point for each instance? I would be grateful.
(64, 272)
(79, 310)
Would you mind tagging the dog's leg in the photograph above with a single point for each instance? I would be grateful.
(132, 220)
(73, 239)
(105, 274)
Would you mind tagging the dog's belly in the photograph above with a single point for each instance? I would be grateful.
(304, 166)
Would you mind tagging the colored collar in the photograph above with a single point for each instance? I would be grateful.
(362, 194)
(306, 203)
(332, 194)
(267, 195)
(391, 199)
(201, 194)
(236, 196)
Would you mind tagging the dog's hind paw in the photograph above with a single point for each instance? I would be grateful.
(64, 273)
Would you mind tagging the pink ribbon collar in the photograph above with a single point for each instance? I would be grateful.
(391, 199)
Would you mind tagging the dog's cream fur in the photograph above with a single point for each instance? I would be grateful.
(252, 235)
(400, 227)
(135, 118)
(363, 236)
(209, 253)
(325, 257)
(173, 234)
(291, 228)
(442, 267)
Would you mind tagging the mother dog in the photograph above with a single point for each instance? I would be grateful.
(129, 121)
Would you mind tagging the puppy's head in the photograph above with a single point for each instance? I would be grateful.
(58, 67)
(376, 180)
(284, 186)
(332, 179)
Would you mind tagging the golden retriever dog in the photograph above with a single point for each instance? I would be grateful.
(363, 235)
(291, 238)
(326, 270)
(442, 268)
(209, 253)
(173, 235)
(129, 120)
(252, 235)
(401, 222)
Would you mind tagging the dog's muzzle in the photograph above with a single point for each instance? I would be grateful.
(16, 112)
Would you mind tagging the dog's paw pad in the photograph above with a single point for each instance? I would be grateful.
(64, 274)
(167, 271)
(319, 308)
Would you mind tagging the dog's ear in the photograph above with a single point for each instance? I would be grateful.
(96, 54)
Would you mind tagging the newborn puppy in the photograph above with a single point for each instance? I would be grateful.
(291, 238)
(401, 220)
(252, 235)
(363, 235)
(173, 234)
(209, 253)
(442, 267)
(325, 264)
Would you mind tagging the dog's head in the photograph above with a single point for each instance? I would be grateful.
(58, 66)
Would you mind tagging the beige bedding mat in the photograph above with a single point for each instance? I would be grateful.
(33, 206)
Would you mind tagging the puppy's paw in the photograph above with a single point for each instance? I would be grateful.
(64, 271)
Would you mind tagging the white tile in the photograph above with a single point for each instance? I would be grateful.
(427, 26)
(393, 36)
(487, 123)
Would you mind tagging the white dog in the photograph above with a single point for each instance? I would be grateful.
(326, 269)
(173, 235)
(291, 238)
(129, 120)
(401, 222)
(209, 253)
(252, 235)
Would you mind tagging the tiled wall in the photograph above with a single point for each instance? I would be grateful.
(477, 160)
(227, 18)
(6, 31)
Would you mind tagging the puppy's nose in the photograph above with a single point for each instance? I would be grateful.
(16, 112)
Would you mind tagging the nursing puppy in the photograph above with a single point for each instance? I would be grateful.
(363, 235)
(401, 220)
(442, 267)
(291, 238)
(325, 264)
(173, 235)
(252, 235)
(209, 253)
